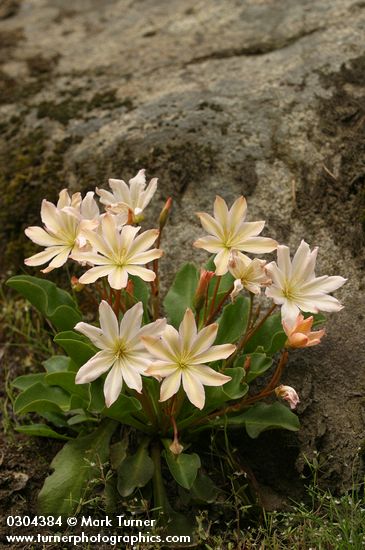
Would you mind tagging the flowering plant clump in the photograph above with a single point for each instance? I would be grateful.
(142, 378)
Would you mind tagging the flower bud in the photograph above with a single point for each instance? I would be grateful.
(202, 288)
(165, 212)
(288, 394)
(300, 335)
(176, 447)
(75, 285)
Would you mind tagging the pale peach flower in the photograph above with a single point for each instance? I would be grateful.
(62, 234)
(118, 254)
(249, 274)
(228, 231)
(295, 286)
(300, 335)
(182, 356)
(121, 350)
(288, 394)
(124, 198)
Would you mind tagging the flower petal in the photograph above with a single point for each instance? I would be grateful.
(284, 261)
(208, 376)
(194, 389)
(41, 237)
(289, 313)
(43, 257)
(221, 261)
(323, 284)
(157, 348)
(118, 277)
(95, 273)
(222, 351)
(221, 211)
(187, 330)
(131, 322)
(142, 272)
(108, 323)
(95, 367)
(113, 384)
(204, 339)
(170, 385)
(95, 334)
(210, 243)
(210, 224)
(143, 241)
(131, 376)
(58, 260)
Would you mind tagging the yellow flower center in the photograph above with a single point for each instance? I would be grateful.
(120, 349)
(289, 292)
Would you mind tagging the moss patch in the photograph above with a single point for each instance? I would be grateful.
(72, 108)
(28, 173)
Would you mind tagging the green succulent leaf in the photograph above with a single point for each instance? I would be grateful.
(233, 321)
(55, 304)
(74, 467)
(261, 417)
(181, 293)
(41, 430)
(141, 294)
(76, 346)
(183, 467)
(27, 380)
(135, 471)
(121, 409)
(203, 489)
(59, 363)
(271, 336)
(259, 363)
(66, 381)
(41, 398)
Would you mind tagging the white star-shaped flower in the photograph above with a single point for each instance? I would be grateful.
(182, 355)
(62, 234)
(295, 286)
(118, 253)
(228, 232)
(249, 274)
(121, 350)
(124, 197)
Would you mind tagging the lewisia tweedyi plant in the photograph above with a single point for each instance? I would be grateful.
(146, 377)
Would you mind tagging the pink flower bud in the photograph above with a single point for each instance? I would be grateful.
(176, 447)
(300, 335)
(288, 394)
(75, 285)
(202, 288)
(165, 212)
